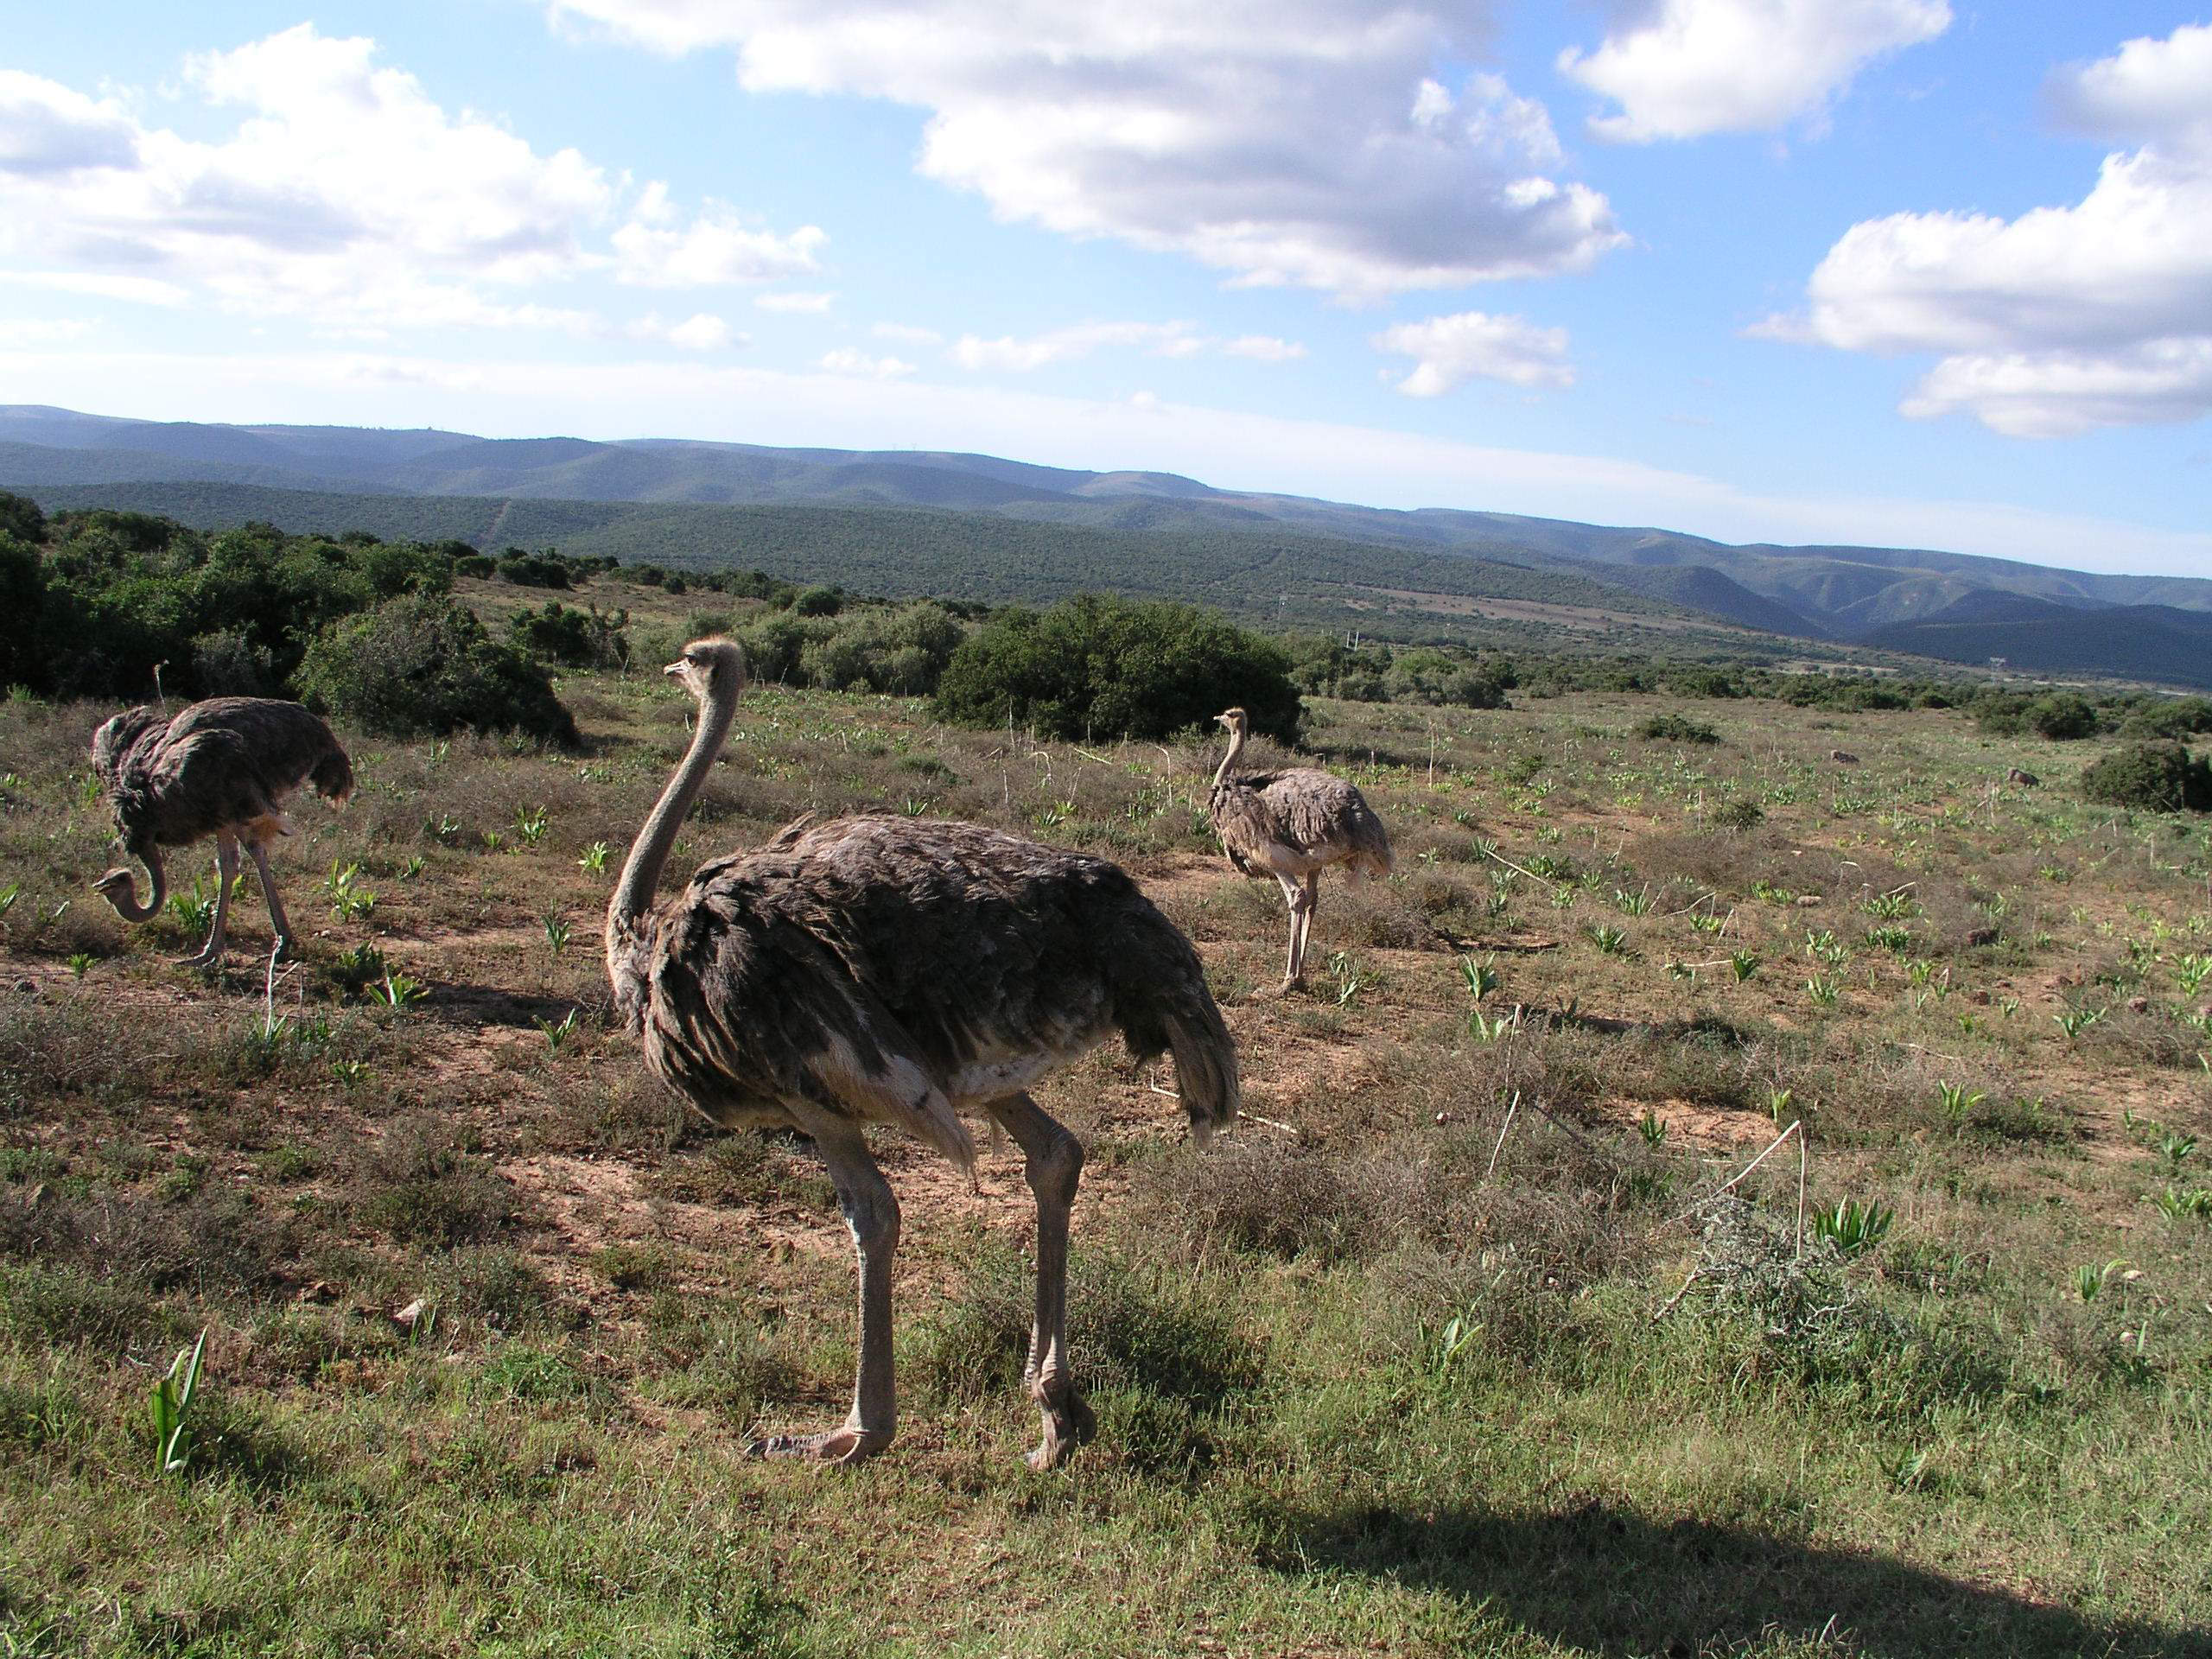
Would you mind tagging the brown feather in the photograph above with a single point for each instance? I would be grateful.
(892, 970)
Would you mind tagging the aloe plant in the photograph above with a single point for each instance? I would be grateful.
(1853, 1229)
(173, 1398)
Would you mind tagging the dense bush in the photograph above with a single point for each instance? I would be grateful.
(2175, 717)
(118, 593)
(422, 664)
(589, 638)
(1381, 673)
(22, 517)
(527, 570)
(2062, 715)
(1102, 667)
(2159, 776)
(1677, 729)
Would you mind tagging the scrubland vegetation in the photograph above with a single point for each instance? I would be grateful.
(1462, 1343)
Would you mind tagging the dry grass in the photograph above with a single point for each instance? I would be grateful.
(1379, 1373)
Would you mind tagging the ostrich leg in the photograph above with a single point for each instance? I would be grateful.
(226, 871)
(1313, 895)
(1054, 1166)
(258, 850)
(872, 1213)
(1300, 904)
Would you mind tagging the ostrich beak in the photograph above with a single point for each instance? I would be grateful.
(674, 670)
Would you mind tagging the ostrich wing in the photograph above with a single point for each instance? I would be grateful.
(748, 1012)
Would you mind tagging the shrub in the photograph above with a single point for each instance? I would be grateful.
(2175, 717)
(1677, 729)
(1100, 667)
(2062, 716)
(22, 517)
(1739, 815)
(2158, 777)
(424, 664)
(581, 638)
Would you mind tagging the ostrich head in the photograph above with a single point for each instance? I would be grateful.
(1235, 719)
(709, 668)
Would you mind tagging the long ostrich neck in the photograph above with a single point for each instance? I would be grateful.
(633, 893)
(1228, 760)
(125, 898)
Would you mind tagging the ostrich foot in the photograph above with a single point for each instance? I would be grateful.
(205, 960)
(1069, 1422)
(845, 1445)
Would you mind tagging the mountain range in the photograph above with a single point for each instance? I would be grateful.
(652, 493)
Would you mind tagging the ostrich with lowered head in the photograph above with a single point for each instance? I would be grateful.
(896, 971)
(222, 768)
(1292, 825)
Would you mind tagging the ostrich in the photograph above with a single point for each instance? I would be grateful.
(220, 768)
(895, 970)
(1292, 825)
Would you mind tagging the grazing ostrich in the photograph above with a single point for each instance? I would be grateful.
(220, 768)
(1292, 825)
(895, 970)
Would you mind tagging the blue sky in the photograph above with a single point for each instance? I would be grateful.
(1889, 271)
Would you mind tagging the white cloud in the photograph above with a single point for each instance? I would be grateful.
(654, 251)
(1300, 142)
(1263, 348)
(342, 193)
(702, 332)
(1066, 345)
(2065, 318)
(1174, 339)
(17, 332)
(809, 303)
(138, 290)
(847, 360)
(528, 395)
(1696, 67)
(1448, 352)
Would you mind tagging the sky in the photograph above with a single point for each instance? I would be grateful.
(1897, 272)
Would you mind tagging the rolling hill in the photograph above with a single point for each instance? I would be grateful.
(658, 499)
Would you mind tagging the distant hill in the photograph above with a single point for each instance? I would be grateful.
(538, 487)
(1289, 580)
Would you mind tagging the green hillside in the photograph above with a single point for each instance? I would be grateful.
(1285, 578)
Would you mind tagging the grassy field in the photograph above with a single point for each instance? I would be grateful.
(1456, 1346)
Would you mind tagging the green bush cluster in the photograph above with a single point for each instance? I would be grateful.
(898, 649)
(421, 663)
(112, 595)
(1099, 667)
(2062, 716)
(2159, 776)
(1677, 729)
(578, 639)
(1326, 666)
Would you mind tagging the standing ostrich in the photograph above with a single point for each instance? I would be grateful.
(220, 768)
(1292, 825)
(894, 970)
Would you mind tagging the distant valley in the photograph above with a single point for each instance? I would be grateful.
(981, 526)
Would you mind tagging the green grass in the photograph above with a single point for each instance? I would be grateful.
(1381, 1372)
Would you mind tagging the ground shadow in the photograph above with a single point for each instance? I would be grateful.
(479, 1006)
(1601, 1578)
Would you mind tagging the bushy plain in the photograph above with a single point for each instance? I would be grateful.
(1454, 1346)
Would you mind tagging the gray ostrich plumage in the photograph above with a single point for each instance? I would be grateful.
(896, 971)
(1292, 825)
(221, 768)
